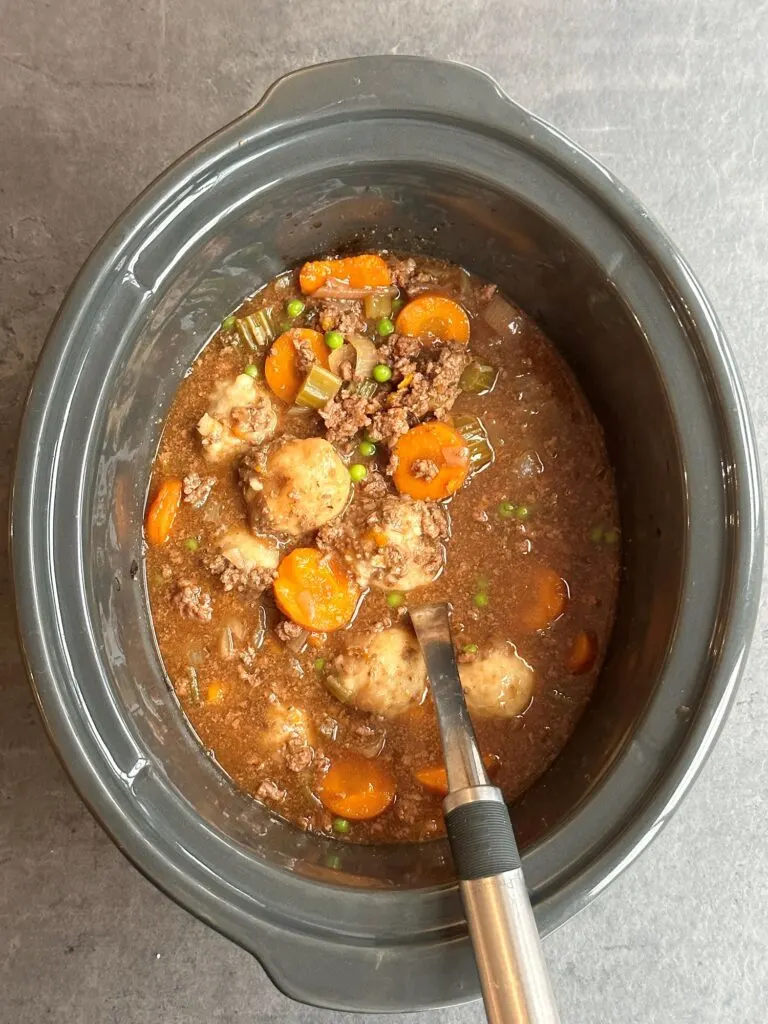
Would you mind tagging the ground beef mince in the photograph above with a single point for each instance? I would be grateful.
(288, 631)
(389, 425)
(267, 790)
(385, 540)
(346, 415)
(427, 376)
(402, 271)
(305, 357)
(484, 293)
(526, 551)
(192, 602)
(346, 316)
(425, 469)
(196, 489)
(298, 754)
(255, 580)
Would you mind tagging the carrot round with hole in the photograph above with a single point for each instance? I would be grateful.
(583, 653)
(435, 779)
(424, 449)
(436, 316)
(162, 511)
(313, 589)
(356, 787)
(281, 370)
(546, 600)
(359, 272)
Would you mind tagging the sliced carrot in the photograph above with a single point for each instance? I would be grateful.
(546, 600)
(356, 787)
(367, 271)
(583, 653)
(281, 370)
(314, 590)
(434, 315)
(431, 442)
(214, 693)
(162, 511)
(436, 779)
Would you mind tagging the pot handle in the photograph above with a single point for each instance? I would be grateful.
(340, 89)
(361, 978)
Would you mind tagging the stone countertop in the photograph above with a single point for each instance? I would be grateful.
(95, 99)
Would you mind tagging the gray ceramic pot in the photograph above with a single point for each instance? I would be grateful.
(413, 154)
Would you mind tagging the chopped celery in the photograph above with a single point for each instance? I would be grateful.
(377, 306)
(339, 689)
(318, 389)
(258, 329)
(367, 388)
(472, 430)
(478, 378)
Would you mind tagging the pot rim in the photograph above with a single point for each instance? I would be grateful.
(286, 102)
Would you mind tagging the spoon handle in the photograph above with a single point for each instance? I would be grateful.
(510, 960)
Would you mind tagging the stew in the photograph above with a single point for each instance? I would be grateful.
(362, 433)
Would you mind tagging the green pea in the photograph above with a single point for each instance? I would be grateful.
(385, 327)
(382, 373)
(294, 308)
(395, 598)
(228, 323)
(334, 339)
(367, 449)
(191, 543)
(596, 534)
(341, 825)
(252, 370)
(481, 600)
(522, 512)
(397, 304)
(470, 648)
(507, 510)
(358, 472)
(611, 537)
(320, 665)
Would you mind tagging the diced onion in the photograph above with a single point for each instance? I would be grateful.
(337, 358)
(233, 630)
(226, 643)
(341, 290)
(193, 684)
(366, 356)
(455, 456)
(500, 314)
(296, 643)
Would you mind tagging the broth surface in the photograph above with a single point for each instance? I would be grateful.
(530, 565)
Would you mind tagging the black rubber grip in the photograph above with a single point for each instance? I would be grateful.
(482, 840)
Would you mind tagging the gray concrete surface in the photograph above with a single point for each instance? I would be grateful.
(96, 96)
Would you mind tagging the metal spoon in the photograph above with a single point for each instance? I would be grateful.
(510, 961)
